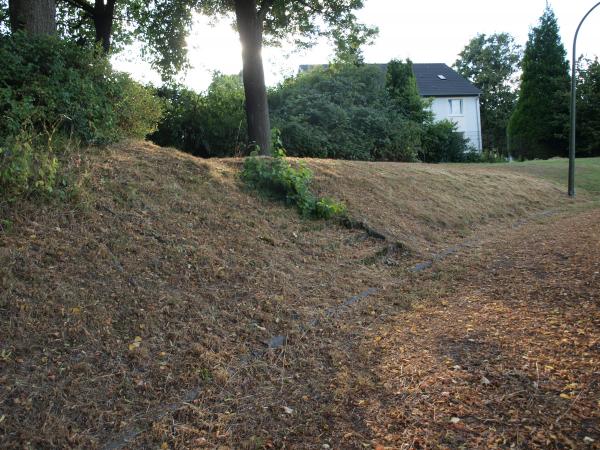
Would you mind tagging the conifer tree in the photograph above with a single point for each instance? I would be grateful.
(538, 128)
(401, 85)
(588, 109)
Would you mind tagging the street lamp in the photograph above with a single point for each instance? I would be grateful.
(574, 107)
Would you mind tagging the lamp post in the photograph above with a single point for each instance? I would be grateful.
(574, 107)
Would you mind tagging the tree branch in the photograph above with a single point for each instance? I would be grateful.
(82, 4)
(265, 5)
(310, 7)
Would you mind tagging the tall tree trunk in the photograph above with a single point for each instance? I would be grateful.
(250, 26)
(33, 16)
(103, 22)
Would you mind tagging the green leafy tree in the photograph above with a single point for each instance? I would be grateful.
(349, 42)
(401, 85)
(91, 22)
(160, 26)
(269, 21)
(538, 128)
(491, 63)
(343, 111)
(588, 109)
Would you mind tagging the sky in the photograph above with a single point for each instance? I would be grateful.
(426, 31)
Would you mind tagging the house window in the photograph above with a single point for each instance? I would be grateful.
(456, 107)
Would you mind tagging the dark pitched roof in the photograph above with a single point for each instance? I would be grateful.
(428, 81)
(431, 85)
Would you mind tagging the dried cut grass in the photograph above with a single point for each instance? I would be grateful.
(147, 304)
(501, 349)
(427, 206)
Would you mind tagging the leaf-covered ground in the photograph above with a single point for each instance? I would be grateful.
(503, 350)
(141, 315)
(500, 348)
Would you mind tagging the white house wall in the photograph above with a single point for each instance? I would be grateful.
(468, 122)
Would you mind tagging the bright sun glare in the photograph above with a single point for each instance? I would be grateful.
(427, 31)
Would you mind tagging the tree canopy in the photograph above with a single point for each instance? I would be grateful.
(270, 22)
(161, 26)
(588, 108)
(538, 128)
(491, 63)
(301, 20)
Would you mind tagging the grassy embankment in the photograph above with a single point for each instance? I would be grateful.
(587, 172)
(167, 276)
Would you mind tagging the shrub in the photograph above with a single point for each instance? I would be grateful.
(26, 166)
(278, 178)
(473, 156)
(180, 125)
(343, 111)
(442, 143)
(224, 116)
(138, 111)
(52, 91)
(45, 81)
(209, 124)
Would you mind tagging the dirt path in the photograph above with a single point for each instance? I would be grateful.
(496, 346)
(503, 349)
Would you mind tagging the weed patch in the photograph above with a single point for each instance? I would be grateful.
(279, 179)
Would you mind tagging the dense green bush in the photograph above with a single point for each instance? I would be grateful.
(180, 125)
(53, 91)
(26, 166)
(441, 142)
(342, 111)
(136, 108)
(278, 178)
(46, 82)
(209, 124)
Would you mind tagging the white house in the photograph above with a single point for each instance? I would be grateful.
(453, 98)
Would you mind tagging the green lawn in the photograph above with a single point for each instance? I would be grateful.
(587, 171)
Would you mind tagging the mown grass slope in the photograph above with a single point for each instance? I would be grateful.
(427, 206)
(587, 172)
(166, 278)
